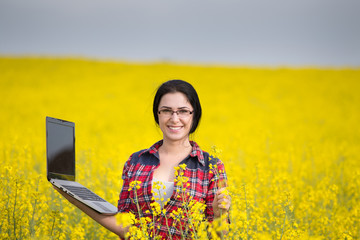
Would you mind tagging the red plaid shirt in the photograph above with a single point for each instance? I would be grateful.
(203, 185)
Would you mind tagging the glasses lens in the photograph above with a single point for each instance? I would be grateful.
(166, 112)
(183, 113)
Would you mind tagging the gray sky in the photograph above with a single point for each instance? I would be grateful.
(236, 32)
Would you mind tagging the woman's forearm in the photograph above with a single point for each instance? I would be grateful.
(109, 222)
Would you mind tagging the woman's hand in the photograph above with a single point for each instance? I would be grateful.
(221, 203)
(107, 221)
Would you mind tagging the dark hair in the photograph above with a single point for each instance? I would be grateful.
(188, 90)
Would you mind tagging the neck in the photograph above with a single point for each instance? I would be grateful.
(176, 147)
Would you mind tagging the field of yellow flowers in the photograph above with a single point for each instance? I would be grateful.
(290, 141)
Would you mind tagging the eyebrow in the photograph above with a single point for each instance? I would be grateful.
(177, 108)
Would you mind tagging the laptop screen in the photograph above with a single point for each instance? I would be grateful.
(60, 145)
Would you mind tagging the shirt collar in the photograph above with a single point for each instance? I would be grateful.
(195, 152)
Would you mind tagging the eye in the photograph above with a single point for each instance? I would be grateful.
(183, 111)
(166, 111)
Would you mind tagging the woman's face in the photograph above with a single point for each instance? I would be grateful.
(175, 127)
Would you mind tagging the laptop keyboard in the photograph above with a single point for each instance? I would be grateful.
(84, 193)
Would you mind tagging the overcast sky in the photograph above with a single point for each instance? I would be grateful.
(236, 32)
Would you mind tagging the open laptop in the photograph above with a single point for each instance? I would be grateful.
(60, 149)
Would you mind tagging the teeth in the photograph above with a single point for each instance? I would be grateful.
(175, 128)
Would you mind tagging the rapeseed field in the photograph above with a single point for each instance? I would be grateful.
(289, 139)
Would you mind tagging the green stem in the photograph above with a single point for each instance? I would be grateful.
(8, 208)
(153, 224)
(221, 224)
(14, 217)
(166, 219)
(139, 211)
(167, 225)
(52, 227)
(247, 213)
(32, 221)
(189, 215)
(283, 228)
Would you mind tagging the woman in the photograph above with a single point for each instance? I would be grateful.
(177, 111)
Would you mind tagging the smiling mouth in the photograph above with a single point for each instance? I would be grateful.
(175, 128)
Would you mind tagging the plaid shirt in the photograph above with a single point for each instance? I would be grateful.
(203, 184)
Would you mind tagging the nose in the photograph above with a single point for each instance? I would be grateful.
(174, 116)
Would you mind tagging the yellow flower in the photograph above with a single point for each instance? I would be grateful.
(286, 180)
(182, 166)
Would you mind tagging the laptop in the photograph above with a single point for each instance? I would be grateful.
(60, 150)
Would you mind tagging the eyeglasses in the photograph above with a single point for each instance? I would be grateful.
(182, 113)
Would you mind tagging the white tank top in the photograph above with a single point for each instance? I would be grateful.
(169, 189)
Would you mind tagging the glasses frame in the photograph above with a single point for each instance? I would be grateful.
(176, 111)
